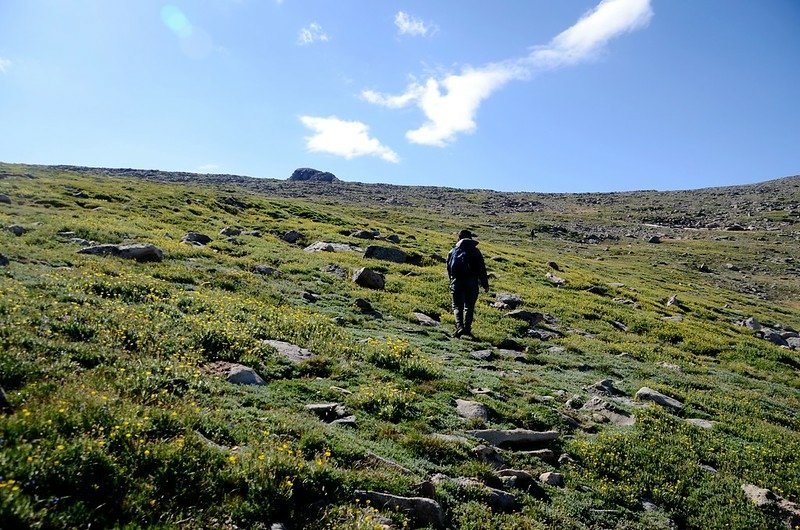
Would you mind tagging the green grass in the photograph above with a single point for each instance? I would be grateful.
(119, 421)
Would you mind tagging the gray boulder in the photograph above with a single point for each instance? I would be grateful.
(394, 255)
(328, 412)
(369, 278)
(424, 512)
(196, 239)
(365, 234)
(552, 479)
(242, 375)
(793, 342)
(294, 354)
(509, 300)
(292, 236)
(5, 199)
(17, 230)
(774, 337)
(514, 437)
(608, 411)
(472, 410)
(425, 320)
(230, 231)
(774, 505)
(648, 394)
(530, 317)
(137, 252)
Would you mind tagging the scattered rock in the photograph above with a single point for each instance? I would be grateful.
(395, 255)
(619, 325)
(552, 479)
(704, 268)
(347, 421)
(509, 300)
(648, 394)
(472, 410)
(488, 455)
(291, 352)
(311, 297)
(542, 454)
(703, 424)
(264, 270)
(327, 412)
(774, 337)
(425, 320)
(530, 317)
(654, 240)
(336, 270)
(793, 342)
(230, 231)
(450, 438)
(242, 375)
(138, 252)
(3, 261)
(424, 512)
(394, 238)
(735, 227)
(196, 239)
(482, 355)
(369, 278)
(552, 278)
(672, 300)
(565, 459)
(511, 344)
(17, 230)
(774, 505)
(609, 412)
(5, 199)
(372, 459)
(669, 366)
(514, 437)
(604, 387)
(731, 267)
(553, 265)
(752, 323)
(365, 234)
(292, 236)
(496, 499)
(543, 334)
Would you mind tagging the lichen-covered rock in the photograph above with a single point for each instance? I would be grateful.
(648, 394)
(243, 375)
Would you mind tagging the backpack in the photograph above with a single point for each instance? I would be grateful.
(458, 264)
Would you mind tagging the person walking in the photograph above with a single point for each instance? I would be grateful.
(467, 273)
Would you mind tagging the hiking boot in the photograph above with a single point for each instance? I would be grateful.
(459, 332)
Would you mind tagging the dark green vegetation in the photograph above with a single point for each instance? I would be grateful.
(119, 420)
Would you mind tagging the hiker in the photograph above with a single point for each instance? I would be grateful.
(467, 272)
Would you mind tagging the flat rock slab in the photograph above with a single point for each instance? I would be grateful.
(514, 437)
(392, 254)
(322, 246)
(552, 479)
(609, 412)
(530, 317)
(604, 387)
(425, 320)
(472, 410)
(648, 394)
(703, 424)
(424, 512)
(327, 412)
(294, 353)
(510, 300)
(483, 355)
(137, 252)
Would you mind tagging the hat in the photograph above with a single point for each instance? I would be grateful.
(466, 234)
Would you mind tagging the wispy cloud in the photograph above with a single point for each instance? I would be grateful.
(208, 168)
(5, 64)
(451, 104)
(348, 139)
(311, 34)
(408, 25)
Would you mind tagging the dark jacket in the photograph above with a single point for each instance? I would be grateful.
(476, 264)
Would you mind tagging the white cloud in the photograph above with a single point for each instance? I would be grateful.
(348, 139)
(408, 25)
(5, 64)
(208, 168)
(451, 104)
(311, 34)
(609, 19)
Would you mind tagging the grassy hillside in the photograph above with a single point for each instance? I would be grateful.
(119, 413)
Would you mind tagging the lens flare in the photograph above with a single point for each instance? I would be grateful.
(176, 21)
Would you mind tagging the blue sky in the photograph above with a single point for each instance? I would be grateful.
(527, 95)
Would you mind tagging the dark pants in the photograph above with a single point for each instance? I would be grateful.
(465, 295)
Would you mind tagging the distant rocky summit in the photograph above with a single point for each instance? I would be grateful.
(308, 174)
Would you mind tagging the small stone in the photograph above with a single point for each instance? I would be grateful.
(242, 375)
(17, 230)
(425, 512)
(394, 255)
(393, 238)
(553, 265)
(565, 459)
(488, 455)
(5, 199)
(672, 300)
(482, 355)
(230, 231)
(294, 354)
(292, 236)
(370, 279)
(311, 297)
(510, 300)
(530, 317)
(648, 394)
(3, 261)
(703, 424)
(552, 278)
(669, 366)
(472, 410)
(654, 240)
(704, 268)
(264, 270)
(425, 320)
(752, 323)
(552, 479)
(197, 239)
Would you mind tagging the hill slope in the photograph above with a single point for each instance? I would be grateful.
(119, 411)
